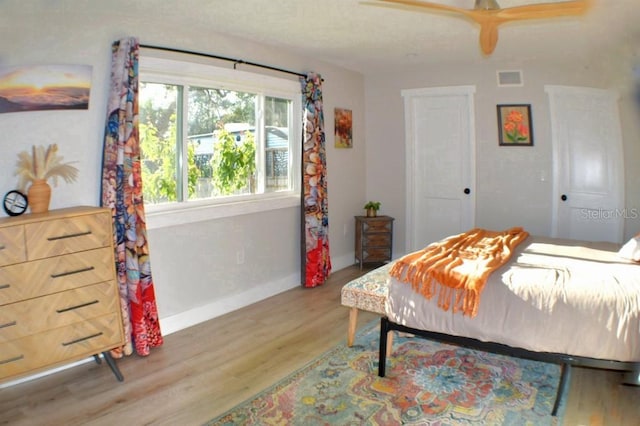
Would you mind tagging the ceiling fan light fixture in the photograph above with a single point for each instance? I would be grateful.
(487, 5)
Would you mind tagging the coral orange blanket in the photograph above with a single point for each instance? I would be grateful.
(457, 267)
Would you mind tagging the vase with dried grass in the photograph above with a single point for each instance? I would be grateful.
(36, 168)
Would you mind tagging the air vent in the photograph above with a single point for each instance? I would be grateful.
(510, 78)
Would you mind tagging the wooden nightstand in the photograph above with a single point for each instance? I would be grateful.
(374, 239)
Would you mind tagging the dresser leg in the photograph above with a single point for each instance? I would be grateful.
(112, 364)
(97, 358)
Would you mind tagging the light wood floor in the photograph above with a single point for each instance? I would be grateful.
(204, 370)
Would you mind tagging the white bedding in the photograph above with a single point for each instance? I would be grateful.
(554, 295)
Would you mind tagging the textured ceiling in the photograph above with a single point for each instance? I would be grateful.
(360, 36)
(365, 35)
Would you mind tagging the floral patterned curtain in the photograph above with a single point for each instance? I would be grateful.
(316, 262)
(122, 193)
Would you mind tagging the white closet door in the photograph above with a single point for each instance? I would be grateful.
(588, 165)
(440, 150)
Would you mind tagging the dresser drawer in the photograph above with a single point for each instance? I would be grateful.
(33, 316)
(67, 235)
(377, 240)
(48, 276)
(48, 348)
(12, 245)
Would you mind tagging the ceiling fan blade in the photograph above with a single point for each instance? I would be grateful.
(488, 37)
(544, 10)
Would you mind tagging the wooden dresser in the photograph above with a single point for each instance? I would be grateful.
(374, 239)
(58, 291)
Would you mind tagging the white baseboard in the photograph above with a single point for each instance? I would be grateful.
(342, 262)
(228, 304)
(220, 307)
(45, 373)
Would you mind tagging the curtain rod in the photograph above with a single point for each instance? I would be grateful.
(224, 58)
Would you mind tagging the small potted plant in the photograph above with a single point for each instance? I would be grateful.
(372, 208)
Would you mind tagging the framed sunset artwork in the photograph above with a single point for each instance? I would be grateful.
(44, 87)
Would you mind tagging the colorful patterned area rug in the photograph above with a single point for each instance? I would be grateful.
(426, 383)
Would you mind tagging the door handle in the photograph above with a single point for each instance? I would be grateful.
(467, 191)
(563, 197)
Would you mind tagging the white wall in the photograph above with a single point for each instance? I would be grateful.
(194, 266)
(514, 184)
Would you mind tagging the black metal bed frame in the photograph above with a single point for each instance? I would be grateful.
(565, 361)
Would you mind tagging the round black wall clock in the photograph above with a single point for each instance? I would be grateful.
(15, 203)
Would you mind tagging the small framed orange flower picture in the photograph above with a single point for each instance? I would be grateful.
(514, 125)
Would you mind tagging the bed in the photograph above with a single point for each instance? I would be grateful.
(563, 301)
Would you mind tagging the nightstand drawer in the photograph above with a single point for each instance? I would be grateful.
(47, 276)
(377, 240)
(376, 225)
(33, 316)
(65, 343)
(12, 245)
(67, 235)
(376, 255)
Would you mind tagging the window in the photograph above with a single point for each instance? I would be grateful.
(214, 136)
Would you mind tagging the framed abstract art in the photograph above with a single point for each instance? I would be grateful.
(343, 128)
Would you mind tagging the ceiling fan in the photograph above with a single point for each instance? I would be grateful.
(489, 15)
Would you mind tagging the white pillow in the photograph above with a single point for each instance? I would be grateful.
(631, 250)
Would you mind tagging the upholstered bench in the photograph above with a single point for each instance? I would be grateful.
(369, 293)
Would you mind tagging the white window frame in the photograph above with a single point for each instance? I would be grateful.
(169, 71)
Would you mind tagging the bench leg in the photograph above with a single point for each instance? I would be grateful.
(353, 322)
(351, 333)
